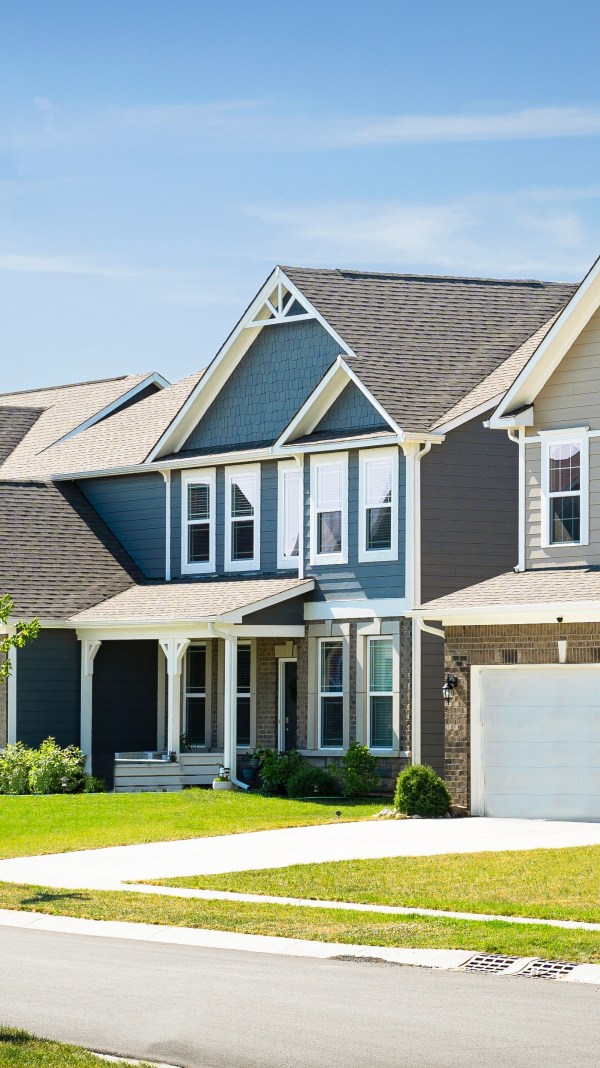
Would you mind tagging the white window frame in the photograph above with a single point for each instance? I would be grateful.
(373, 555)
(200, 477)
(382, 693)
(246, 694)
(577, 436)
(329, 693)
(193, 693)
(285, 467)
(230, 475)
(328, 460)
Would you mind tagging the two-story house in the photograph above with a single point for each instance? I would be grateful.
(229, 562)
(523, 720)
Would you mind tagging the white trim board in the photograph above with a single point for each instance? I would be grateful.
(380, 608)
(153, 379)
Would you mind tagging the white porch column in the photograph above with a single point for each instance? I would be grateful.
(230, 705)
(174, 650)
(88, 652)
(11, 698)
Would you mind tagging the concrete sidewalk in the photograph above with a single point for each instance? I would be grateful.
(108, 869)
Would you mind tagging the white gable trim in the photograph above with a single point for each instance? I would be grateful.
(323, 397)
(153, 379)
(549, 353)
(227, 359)
(472, 413)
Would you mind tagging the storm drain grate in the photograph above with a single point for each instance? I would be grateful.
(547, 969)
(489, 962)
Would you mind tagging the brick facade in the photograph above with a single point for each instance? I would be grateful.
(523, 644)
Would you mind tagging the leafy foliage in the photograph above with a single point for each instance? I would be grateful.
(47, 770)
(276, 768)
(23, 633)
(359, 771)
(308, 780)
(420, 792)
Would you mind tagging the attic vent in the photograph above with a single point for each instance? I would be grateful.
(509, 656)
(489, 962)
(547, 969)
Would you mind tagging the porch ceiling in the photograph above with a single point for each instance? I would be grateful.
(207, 601)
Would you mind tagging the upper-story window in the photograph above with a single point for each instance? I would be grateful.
(329, 508)
(242, 518)
(198, 522)
(565, 488)
(378, 505)
(289, 509)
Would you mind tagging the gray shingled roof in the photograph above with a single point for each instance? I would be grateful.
(540, 586)
(422, 342)
(15, 423)
(208, 599)
(57, 557)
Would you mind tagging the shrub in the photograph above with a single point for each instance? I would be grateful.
(54, 770)
(15, 763)
(420, 792)
(276, 768)
(92, 785)
(359, 771)
(309, 780)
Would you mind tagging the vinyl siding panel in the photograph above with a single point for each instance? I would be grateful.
(48, 688)
(469, 523)
(133, 506)
(125, 691)
(571, 397)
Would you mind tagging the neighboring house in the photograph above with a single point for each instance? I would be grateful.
(523, 726)
(261, 531)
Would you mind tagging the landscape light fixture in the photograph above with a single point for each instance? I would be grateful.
(449, 687)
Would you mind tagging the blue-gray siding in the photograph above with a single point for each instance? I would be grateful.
(133, 506)
(48, 688)
(351, 411)
(272, 381)
(356, 580)
(125, 692)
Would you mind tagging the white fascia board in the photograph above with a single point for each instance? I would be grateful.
(339, 444)
(150, 380)
(171, 465)
(492, 615)
(479, 409)
(523, 418)
(384, 607)
(238, 615)
(185, 629)
(557, 342)
(324, 396)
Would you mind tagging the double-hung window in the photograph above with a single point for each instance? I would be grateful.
(381, 693)
(378, 505)
(195, 696)
(331, 694)
(244, 683)
(242, 518)
(198, 521)
(329, 508)
(288, 514)
(565, 490)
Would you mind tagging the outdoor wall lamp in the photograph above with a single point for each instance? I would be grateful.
(449, 687)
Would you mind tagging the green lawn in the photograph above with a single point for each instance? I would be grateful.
(547, 883)
(56, 824)
(18, 1049)
(325, 925)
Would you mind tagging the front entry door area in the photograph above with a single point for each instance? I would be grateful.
(288, 715)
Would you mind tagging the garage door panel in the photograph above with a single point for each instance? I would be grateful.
(541, 741)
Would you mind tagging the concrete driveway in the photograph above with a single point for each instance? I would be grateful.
(108, 868)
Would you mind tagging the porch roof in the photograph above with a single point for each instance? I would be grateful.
(204, 601)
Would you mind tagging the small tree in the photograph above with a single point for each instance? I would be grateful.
(22, 633)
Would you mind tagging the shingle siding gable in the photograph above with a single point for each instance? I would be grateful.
(351, 411)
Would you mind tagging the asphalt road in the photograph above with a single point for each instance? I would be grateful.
(212, 1008)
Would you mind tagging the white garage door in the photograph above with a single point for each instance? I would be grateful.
(536, 741)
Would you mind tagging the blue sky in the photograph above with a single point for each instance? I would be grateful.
(158, 157)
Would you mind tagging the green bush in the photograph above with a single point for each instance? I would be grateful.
(276, 768)
(420, 792)
(359, 771)
(15, 763)
(92, 785)
(310, 781)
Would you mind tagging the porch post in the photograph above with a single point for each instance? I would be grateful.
(174, 650)
(88, 652)
(230, 705)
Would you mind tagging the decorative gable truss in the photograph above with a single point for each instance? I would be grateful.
(281, 305)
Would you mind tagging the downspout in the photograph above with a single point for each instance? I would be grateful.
(299, 458)
(229, 720)
(414, 455)
(167, 477)
(520, 441)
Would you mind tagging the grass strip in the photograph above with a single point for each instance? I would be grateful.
(372, 929)
(558, 884)
(57, 824)
(18, 1049)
